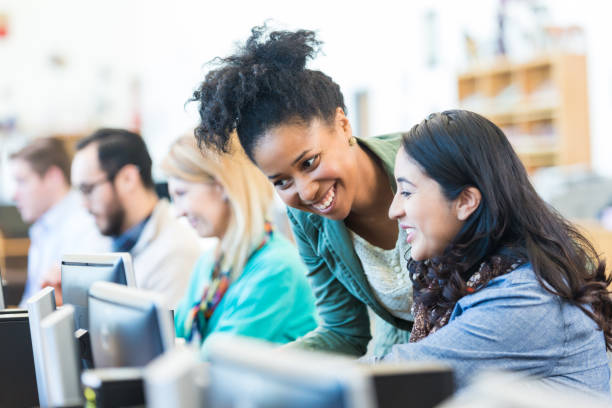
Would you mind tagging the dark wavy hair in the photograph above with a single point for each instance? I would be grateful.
(459, 149)
(263, 85)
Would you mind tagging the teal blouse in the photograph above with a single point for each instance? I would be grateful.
(270, 300)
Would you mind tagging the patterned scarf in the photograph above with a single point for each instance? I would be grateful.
(495, 266)
(203, 309)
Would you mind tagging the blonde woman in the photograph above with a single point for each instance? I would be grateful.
(254, 282)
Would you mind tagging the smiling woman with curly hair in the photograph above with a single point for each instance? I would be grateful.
(292, 123)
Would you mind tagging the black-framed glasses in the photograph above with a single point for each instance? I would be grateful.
(88, 188)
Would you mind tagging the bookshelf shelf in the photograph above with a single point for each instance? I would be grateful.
(541, 105)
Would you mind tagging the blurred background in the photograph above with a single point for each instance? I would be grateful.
(70, 66)
(541, 69)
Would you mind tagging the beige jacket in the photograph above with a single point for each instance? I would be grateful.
(165, 254)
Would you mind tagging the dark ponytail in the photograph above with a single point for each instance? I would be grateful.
(264, 84)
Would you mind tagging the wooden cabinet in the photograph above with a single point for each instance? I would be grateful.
(541, 105)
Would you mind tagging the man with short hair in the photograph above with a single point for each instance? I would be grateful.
(112, 169)
(60, 222)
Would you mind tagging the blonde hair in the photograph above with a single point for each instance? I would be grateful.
(249, 192)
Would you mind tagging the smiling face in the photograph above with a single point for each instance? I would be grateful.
(312, 167)
(203, 203)
(431, 221)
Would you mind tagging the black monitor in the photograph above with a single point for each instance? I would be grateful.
(80, 271)
(129, 326)
(255, 374)
(17, 375)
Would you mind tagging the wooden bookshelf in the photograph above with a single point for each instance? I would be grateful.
(542, 106)
(10, 247)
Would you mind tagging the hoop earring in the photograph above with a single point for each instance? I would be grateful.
(352, 141)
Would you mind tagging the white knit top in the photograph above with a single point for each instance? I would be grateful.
(387, 273)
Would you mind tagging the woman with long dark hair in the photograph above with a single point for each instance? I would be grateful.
(500, 279)
(292, 123)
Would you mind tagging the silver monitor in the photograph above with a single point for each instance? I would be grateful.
(177, 378)
(246, 372)
(129, 326)
(40, 306)
(61, 364)
(79, 271)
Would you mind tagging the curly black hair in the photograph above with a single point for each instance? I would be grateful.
(264, 84)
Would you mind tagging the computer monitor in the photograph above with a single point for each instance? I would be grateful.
(114, 387)
(129, 326)
(79, 271)
(259, 375)
(17, 375)
(61, 359)
(39, 306)
(177, 378)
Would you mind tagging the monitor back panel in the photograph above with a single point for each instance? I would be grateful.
(76, 281)
(17, 376)
(123, 337)
(235, 386)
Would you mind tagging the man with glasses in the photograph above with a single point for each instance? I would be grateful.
(112, 169)
(60, 223)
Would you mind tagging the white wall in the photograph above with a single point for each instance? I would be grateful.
(379, 46)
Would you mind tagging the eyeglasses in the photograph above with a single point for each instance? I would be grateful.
(88, 188)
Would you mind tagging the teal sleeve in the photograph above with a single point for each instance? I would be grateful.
(199, 276)
(268, 302)
(179, 319)
(344, 321)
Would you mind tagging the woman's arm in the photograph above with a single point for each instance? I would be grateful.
(515, 326)
(344, 325)
(200, 276)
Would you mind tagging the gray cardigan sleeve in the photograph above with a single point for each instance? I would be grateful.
(344, 325)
